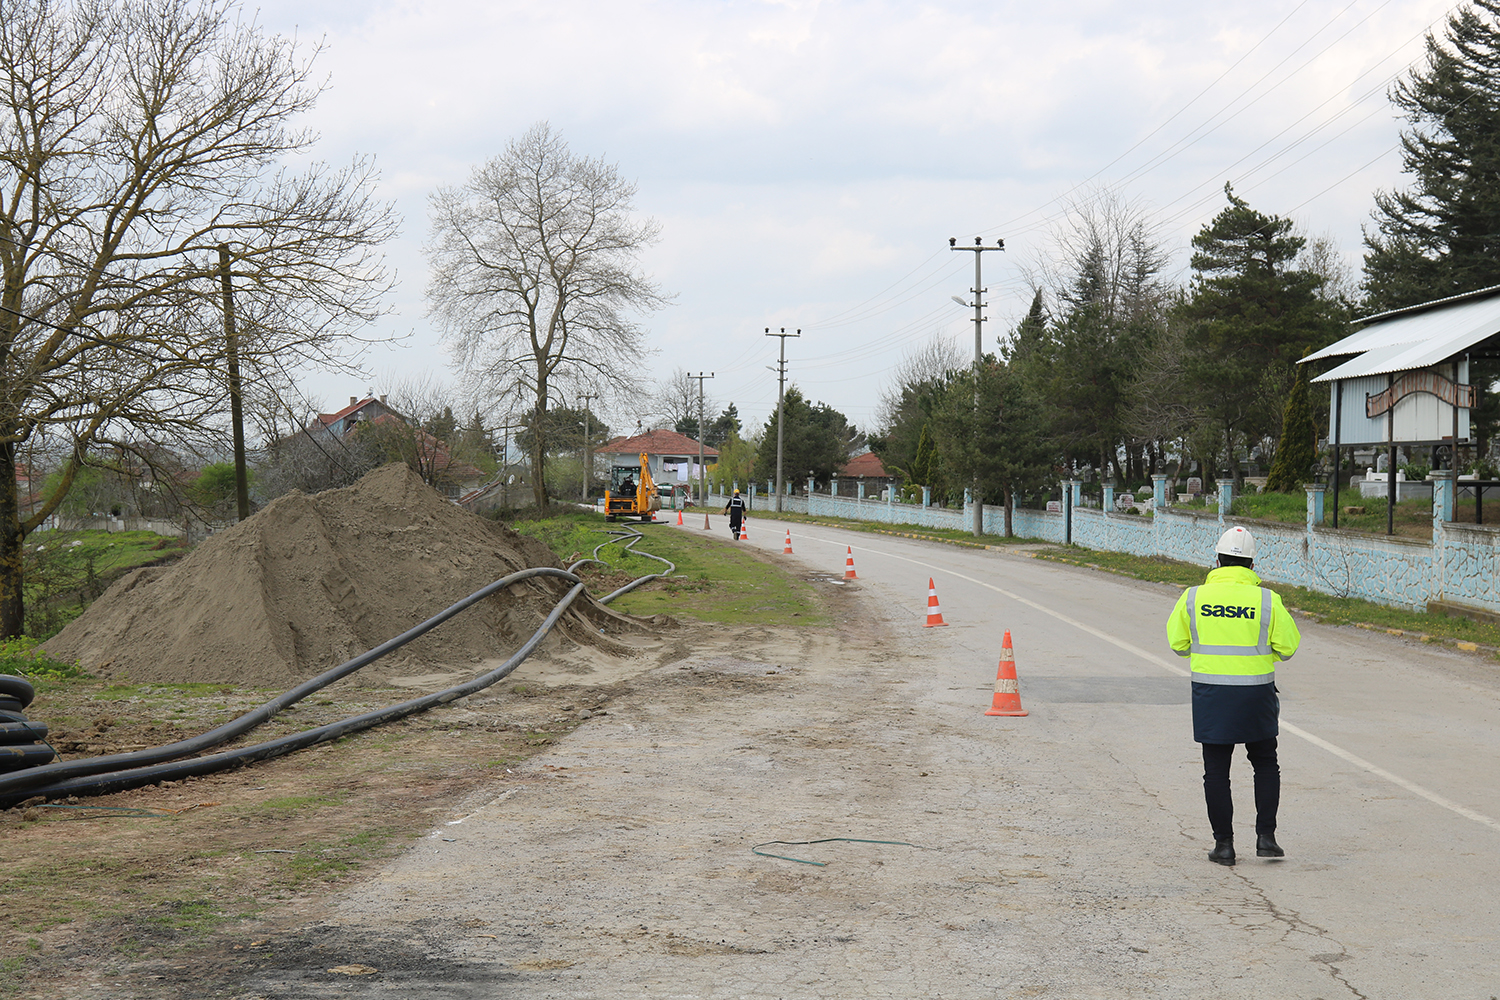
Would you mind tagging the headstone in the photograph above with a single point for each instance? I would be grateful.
(1194, 485)
(1054, 506)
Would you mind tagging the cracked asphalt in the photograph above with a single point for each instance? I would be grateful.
(1062, 854)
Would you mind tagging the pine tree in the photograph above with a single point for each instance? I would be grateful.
(1441, 236)
(1251, 313)
(1297, 449)
(920, 473)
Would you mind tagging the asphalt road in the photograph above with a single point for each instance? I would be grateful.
(1062, 854)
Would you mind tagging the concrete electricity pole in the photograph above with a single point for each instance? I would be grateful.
(978, 250)
(780, 393)
(588, 456)
(702, 473)
(236, 412)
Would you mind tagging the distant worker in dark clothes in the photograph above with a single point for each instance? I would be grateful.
(1234, 630)
(735, 508)
(627, 487)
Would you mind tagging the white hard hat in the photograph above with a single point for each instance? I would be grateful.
(1236, 542)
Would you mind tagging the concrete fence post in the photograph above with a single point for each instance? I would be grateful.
(1443, 500)
(927, 496)
(1314, 504)
(1226, 499)
(1109, 497)
(1159, 489)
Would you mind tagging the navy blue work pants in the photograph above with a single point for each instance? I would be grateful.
(1216, 758)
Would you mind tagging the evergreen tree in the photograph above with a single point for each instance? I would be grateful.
(920, 473)
(1441, 236)
(1298, 447)
(818, 438)
(1251, 314)
(1000, 444)
(722, 427)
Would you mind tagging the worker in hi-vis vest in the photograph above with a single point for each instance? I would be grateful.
(1233, 631)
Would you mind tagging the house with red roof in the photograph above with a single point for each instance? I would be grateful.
(670, 456)
(341, 423)
(867, 472)
(429, 456)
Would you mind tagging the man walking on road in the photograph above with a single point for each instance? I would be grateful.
(735, 508)
(1234, 630)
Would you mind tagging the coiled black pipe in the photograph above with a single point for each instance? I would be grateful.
(41, 780)
(633, 536)
(119, 781)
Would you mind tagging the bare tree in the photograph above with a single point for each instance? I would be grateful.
(1105, 252)
(141, 141)
(534, 272)
(677, 402)
(925, 365)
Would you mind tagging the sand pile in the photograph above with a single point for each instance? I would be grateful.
(311, 581)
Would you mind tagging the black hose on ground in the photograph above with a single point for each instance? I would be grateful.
(100, 776)
(49, 775)
(119, 781)
(633, 536)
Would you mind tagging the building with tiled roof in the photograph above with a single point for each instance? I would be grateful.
(867, 472)
(429, 456)
(668, 452)
(342, 422)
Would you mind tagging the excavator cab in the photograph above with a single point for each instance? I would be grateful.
(632, 492)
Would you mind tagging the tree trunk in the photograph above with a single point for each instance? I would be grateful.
(539, 447)
(12, 575)
(1006, 499)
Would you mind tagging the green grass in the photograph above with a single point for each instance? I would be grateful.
(1289, 508)
(1324, 608)
(962, 535)
(191, 917)
(68, 570)
(318, 862)
(715, 580)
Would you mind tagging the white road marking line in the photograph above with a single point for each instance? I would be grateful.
(1171, 667)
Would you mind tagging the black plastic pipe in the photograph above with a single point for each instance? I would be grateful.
(51, 774)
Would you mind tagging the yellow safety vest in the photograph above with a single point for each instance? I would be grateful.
(1233, 629)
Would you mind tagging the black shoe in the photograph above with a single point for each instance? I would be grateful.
(1223, 852)
(1266, 847)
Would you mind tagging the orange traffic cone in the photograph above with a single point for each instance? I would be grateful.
(679, 519)
(705, 520)
(1007, 700)
(745, 530)
(934, 613)
(788, 550)
(849, 563)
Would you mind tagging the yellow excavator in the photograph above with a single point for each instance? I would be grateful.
(629, 496)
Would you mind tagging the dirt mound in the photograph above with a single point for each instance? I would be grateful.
(311, 581)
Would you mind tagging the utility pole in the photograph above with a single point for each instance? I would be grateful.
(780, 394)
(588, 458)
(236, 410)
(978, 250)
(702, 473)
(505, 430)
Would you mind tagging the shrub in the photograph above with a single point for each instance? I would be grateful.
(21, 656)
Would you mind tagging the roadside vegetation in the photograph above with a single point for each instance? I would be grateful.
(66, 571)
(715, 580)
(956, 535)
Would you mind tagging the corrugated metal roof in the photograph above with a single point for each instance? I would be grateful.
(1410, 340)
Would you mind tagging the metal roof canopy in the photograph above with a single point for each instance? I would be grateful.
(1415, 337)
(1409, 367)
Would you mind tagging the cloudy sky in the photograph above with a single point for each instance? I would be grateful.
(807, 161)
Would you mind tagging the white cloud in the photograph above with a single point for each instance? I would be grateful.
(803, 157)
